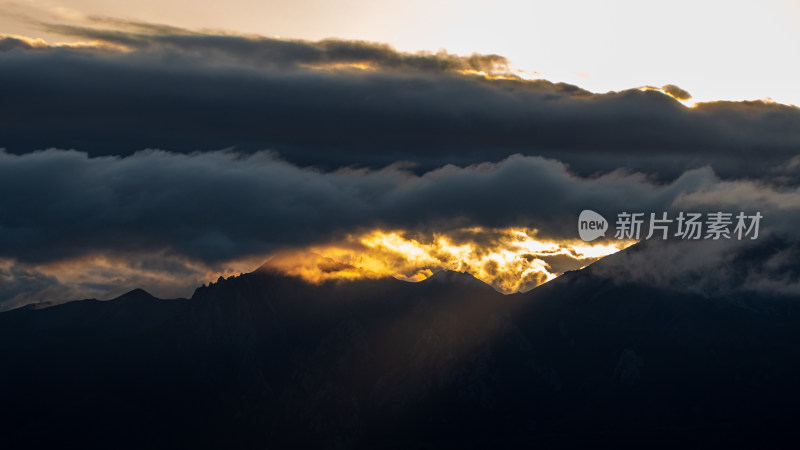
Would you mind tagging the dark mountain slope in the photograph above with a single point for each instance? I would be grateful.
(266, 361)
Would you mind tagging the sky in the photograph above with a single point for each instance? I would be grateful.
(716, 50)
(165, 146)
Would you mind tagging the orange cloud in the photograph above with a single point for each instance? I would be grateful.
(511, 260)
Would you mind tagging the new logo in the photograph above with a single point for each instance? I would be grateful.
(591, 225)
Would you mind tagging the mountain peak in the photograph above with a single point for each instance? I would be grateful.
(136, 295)
(453, 277)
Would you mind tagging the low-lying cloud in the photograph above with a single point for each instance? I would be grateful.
(332, 139)
(222, 205)
(215, 207)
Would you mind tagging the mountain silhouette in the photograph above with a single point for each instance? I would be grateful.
(263, 360)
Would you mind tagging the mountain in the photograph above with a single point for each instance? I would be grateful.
(263, 360)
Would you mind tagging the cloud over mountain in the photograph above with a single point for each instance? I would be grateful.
(335, 137)
(222, 205)
(212, 207)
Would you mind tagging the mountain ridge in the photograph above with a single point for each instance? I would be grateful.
(266, 360)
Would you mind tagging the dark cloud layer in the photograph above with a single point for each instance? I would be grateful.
(258, 51)
(444, 147)
(222, 205)
(184, 91)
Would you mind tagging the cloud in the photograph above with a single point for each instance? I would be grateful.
(678, 93)
(8, 43)
(109, 275)
(80, 226)
(509, 259)
(360, 137)
(335, 103)
(20, 286)
(217, 206)
(260, 51)
(710, 268)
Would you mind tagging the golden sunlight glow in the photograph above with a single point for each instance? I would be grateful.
(489, 76)
(599, 46)
(39, 43)
(341, 66)
(688, 102)
(510, 260)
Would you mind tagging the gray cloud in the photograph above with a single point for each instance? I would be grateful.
(9, 43)
(766, 266)
(186, 91)
(412, 143)
(20, 286)
(259, 51)
(677, 92)
(102, 276)
(217, 206)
